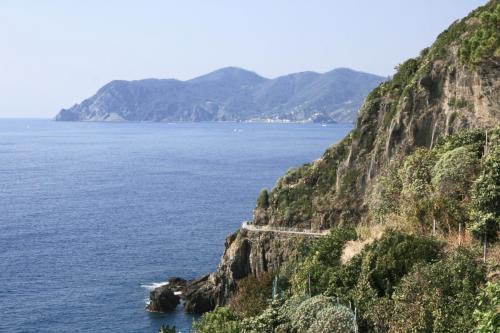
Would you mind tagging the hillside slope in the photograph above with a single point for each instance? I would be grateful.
(230, 94)
(453, 85)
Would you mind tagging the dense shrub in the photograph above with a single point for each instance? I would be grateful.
(388, 259)
(385, 198)
(306, 313)
(454, 172)
(252, 295)
(321, 314)
(487, 314)
(473, 139)
(334, 319)
(442, 185)
(438, 297)
(263, 199)
(404, 73)
(484, 41)
(167, 329)
(485, 205)
(323, 258)
(271, 320)
(220, 320)
(416, 175)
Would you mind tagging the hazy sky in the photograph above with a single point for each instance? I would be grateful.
(55, 53)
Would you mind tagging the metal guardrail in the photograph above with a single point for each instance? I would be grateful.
(267, 228)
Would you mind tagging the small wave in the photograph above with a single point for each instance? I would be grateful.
(154, 285)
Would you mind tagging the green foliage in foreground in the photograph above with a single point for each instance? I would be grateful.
(487, 314)
(485, 201)
(437, 297)
(400, 280)
(220, 320)
(298, 314)
(324, 255)
(320, 314)
(252, 294)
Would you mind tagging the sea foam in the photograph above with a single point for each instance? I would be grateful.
(154, 285)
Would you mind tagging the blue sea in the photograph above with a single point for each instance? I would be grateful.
(93, 215)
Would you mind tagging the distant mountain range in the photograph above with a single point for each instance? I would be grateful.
(230, 94)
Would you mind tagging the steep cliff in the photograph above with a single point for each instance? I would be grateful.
(453, 84)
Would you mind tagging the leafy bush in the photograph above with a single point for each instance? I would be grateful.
(404, 74)
(324, 256)
(167, 329)
(369, 278)
(473, 139)
(440, 47)
(306, 313)
(438, 297)
(385, 198)
(252, 295)
(263, 199)
(487, 314)
(484, 41)
(220, 320)
(271, 320)
(454, 171)
(334, 319)
(416, 175)
(328, 249)
(388, 259)
(485, 205)
(321, 314)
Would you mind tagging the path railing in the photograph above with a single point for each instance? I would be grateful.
(247, 225)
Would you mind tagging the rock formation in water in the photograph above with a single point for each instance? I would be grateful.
(163, 299)
(230, 94)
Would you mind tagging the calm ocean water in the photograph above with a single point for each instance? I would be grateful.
(92, 214)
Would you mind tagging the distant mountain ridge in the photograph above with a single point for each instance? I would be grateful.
(230, 94)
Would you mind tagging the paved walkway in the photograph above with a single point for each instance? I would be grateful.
(283, 230)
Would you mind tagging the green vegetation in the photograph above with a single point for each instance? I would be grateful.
(167, 329)
(441, 46)
(438, 297)
(292, 199)
(221, 320)
(456, 183)
(487, 314)
(320, 314)
(410, 276)
(263, 199)
(457, 103)
(404, 74)
(400, 280)
(484, 41)
(485, 198)
(313, 272)
(252, 295)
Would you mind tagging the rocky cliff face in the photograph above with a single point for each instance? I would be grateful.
(246, 252)
(440, 92)
(230, 94)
